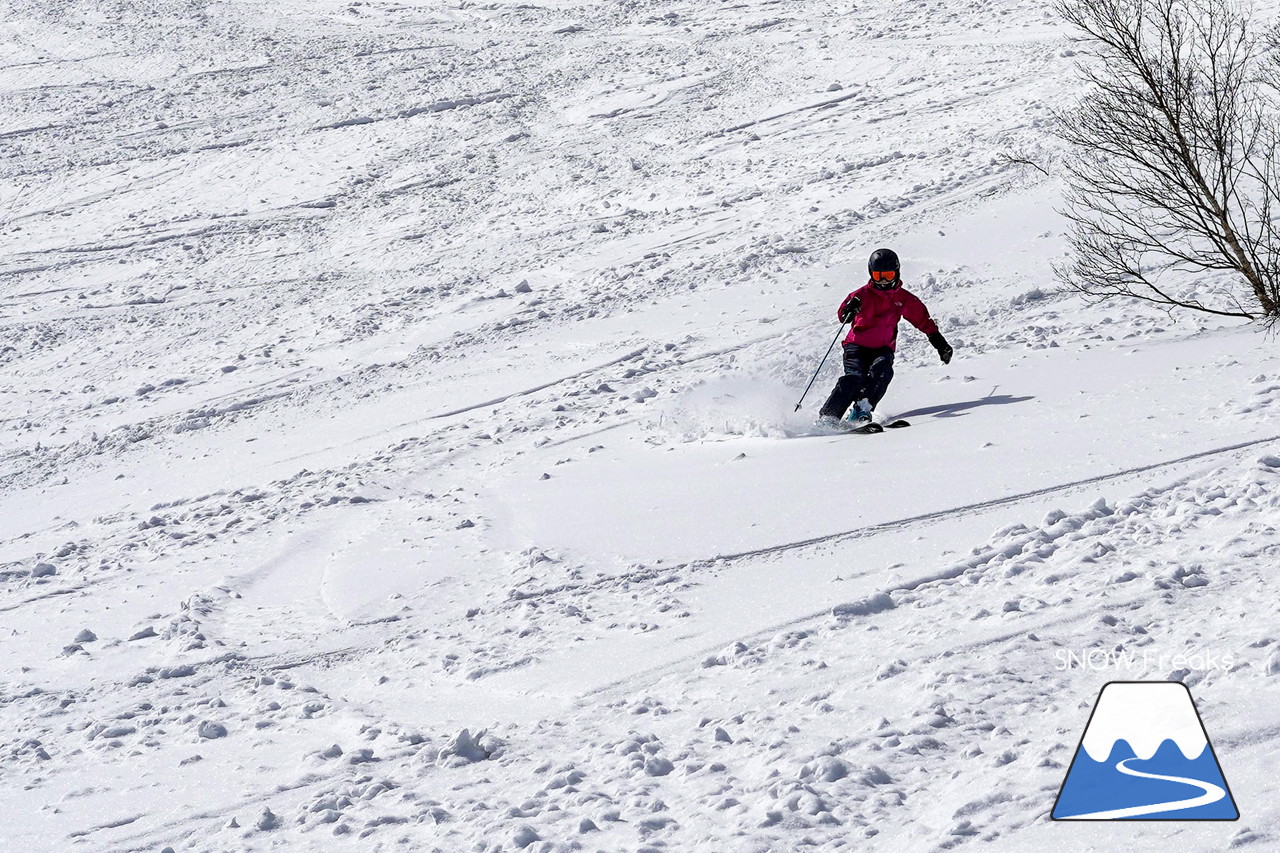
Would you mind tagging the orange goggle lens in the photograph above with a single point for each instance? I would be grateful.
(883, 275)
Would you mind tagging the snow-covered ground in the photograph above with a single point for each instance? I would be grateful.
(397, 446)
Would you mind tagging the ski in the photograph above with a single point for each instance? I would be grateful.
(869, 428)
(872, 428)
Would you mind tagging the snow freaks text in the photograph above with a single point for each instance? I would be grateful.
(1144, 660)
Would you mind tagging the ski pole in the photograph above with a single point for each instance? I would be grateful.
(819, 370)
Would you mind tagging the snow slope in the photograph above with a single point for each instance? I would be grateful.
(397, 445)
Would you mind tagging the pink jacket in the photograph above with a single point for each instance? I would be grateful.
(877, 322)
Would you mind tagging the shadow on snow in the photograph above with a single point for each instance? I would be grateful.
(956, 410)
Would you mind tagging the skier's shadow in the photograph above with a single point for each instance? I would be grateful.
(959, 410)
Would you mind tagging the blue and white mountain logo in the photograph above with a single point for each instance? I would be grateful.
(1145, 756)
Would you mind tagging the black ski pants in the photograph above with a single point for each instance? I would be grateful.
(867, 373)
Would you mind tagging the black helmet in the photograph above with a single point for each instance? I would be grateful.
(883, 260)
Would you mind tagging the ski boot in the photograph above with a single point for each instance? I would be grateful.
(859, 414)
(829, 424)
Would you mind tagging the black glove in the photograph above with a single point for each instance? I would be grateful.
(849, 309)
(941, 345)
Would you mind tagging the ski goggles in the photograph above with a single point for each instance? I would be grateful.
(884, 275)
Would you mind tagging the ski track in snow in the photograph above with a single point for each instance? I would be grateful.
(1211, 794)
(299, 299)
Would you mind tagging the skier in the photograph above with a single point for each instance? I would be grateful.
(874, 310)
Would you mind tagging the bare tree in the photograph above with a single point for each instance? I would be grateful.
(1175, 166)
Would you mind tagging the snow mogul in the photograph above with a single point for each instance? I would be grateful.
(875, 310)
